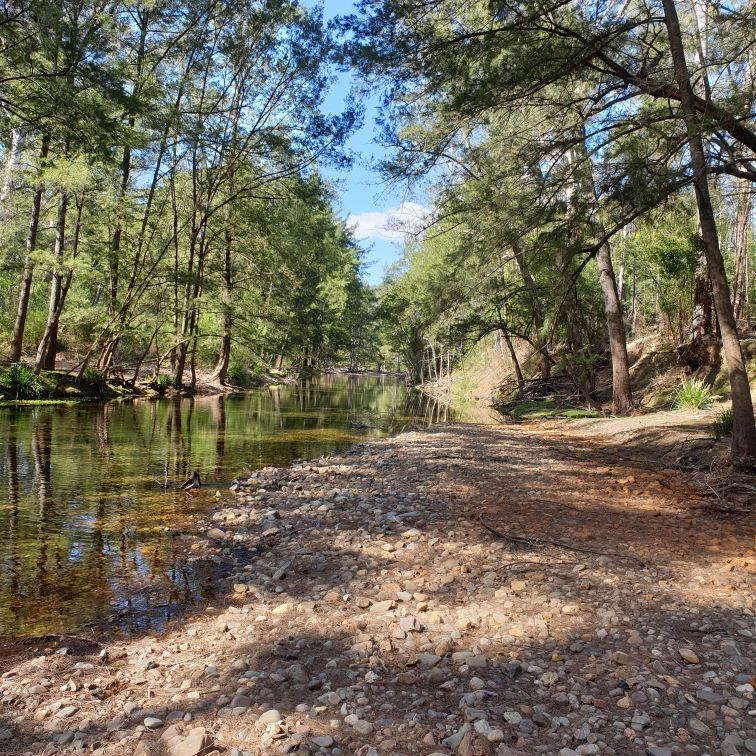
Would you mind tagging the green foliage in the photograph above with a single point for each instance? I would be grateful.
(723, 424)
(694, 394)
(162, 383)
(20, 380)
(238, 375)
(581, 365)
(93, 376)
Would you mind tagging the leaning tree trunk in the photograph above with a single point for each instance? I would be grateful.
(515, 361)
(744, 428)
(17, 338)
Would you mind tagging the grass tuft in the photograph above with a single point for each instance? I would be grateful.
(694, 394)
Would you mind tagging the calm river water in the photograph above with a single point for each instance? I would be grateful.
(85, 515)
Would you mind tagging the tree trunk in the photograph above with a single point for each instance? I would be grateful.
(701, 322)
(515, 361)
(17, 338)
(11, 163)
(622, 397)
(744, 428)
(742, 232)
(59, 287)
(634, 315)
(536, 311)
(49, 344)
(224, 357)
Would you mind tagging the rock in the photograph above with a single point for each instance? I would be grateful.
(428, 660)
(659, 751)
(697, 727)
(513, 668)
(216, 534)
(331, 698)
(731, 744)
(67, 711)
(473, 744)
(270, 716)
(707, 695)
(153, 723)
(297, 674)
(366, 750)
(409, 624)
(323, 741)
(382, 607)
(549, 678)
(456, 738)
(640, 721)
(362, 727)
(194, 744)
(688, 655)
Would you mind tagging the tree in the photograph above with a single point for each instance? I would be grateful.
(456, 65)
(743, 430)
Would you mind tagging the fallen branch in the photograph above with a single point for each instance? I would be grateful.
(525, 541)
(47, 637)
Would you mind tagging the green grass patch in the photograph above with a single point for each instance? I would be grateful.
(723, 424)
(544, 410)
(39, 402)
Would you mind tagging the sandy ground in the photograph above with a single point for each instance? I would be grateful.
(371, 611)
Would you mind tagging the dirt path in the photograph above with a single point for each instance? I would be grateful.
(370, 612)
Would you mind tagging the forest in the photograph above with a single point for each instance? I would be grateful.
(588, 171)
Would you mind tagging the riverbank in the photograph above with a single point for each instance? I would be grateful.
(63, 385)
(370, 610)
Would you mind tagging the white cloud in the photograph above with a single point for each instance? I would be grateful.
(391, 224)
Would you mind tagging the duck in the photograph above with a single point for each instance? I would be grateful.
(192, 483)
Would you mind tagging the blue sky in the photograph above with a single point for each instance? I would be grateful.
(374, 209)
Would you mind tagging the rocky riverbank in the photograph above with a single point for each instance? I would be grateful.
(606, 608)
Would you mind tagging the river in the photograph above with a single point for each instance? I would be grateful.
(89, 509)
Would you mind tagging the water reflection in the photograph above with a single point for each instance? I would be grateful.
(88, 506)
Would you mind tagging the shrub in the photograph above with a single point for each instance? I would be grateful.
(694, 394)
(723, 424)
(237, 375)
(162, 383)
(93, 375)
(21, 381)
